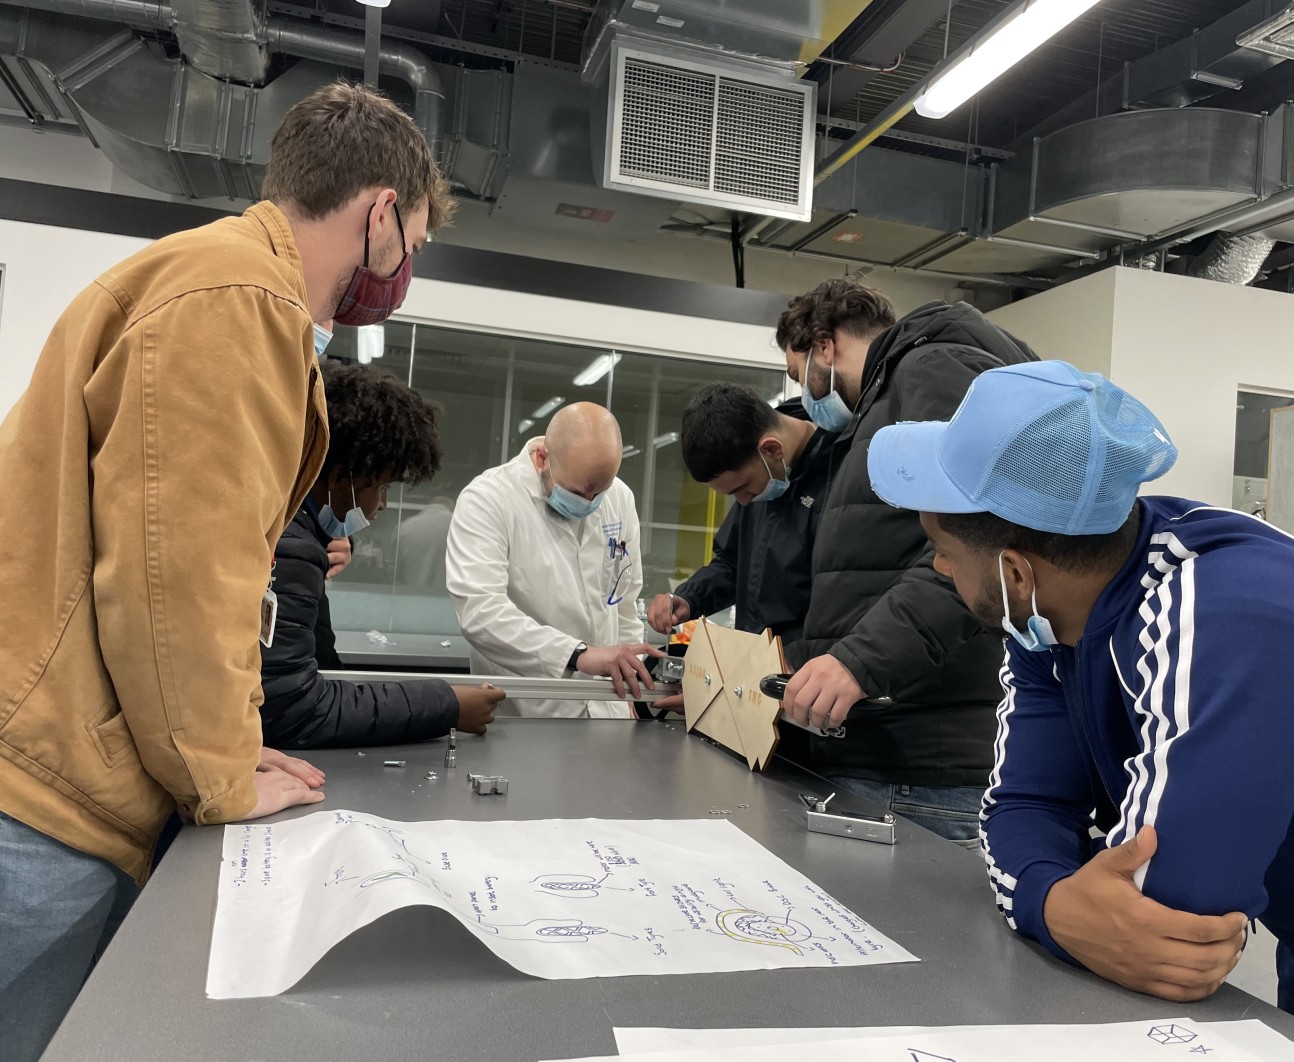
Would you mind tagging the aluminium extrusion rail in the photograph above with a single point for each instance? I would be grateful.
(555, 689)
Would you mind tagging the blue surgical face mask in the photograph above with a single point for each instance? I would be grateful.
(355, 520)
(570, 505)
(830, 413)
(1038, 638)
(322, 338)
(776, 487)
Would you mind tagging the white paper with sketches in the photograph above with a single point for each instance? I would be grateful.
(556, 898)
(1152, 1040)
(1252, 1035)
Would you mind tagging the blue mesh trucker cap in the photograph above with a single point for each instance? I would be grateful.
(1041, 445)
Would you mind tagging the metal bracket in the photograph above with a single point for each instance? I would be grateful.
(488, 784)
(876, 828)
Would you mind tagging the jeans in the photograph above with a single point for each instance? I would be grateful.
(58, 910)
(952, 811)
(1284, 976)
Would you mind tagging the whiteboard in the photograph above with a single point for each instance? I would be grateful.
(1280, 469)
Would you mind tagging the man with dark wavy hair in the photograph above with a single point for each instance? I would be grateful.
(887, 643)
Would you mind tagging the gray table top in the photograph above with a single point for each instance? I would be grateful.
(416, 984)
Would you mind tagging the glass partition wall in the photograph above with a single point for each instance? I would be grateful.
(497, 392)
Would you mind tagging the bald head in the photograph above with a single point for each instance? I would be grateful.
(582, 448)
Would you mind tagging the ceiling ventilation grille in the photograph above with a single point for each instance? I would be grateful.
(694, 130)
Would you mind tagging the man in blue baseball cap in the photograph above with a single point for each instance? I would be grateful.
(1147, 680)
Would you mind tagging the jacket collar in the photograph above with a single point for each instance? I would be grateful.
(278, 233)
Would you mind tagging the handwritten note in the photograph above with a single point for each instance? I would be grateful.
(557, 898)
(1252, 1036)
(1159, 1040)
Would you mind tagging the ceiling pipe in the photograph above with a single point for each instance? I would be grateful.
(304, 40)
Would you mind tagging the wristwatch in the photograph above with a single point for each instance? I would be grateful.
(573, 663)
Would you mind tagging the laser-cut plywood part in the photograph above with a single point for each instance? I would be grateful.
(721, 696)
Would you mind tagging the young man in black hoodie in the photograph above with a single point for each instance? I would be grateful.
(888, 645)
(380, 432)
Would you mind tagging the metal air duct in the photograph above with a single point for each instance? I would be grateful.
(223, 38)
(1231, 259)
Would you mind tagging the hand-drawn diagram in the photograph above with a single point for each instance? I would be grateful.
(551, 930)
(755, 927)
(663, 893)
(1171, 1034)
(576, 886)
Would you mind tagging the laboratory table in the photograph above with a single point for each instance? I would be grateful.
(418, 985)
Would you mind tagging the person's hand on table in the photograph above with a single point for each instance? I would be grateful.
(476, 706)
(339, 555)
(284, 782)
(1100, 917)
(821, 693)
(622, 663)
(298, 768)
(667, 611)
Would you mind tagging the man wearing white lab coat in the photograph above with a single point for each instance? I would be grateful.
(544, 568)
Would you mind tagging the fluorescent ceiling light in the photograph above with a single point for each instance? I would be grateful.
(525, 425)
(1037, 23)
(598, 369)
(375, 3)
(665, 440)
(547, 407)
(777, 400)
(630, 451)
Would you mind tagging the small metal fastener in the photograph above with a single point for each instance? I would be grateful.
(707, 679)
(738, 692)
(359, 754)
(888, 819)
(714, 813)
(393, 763)
(743, 806)
(430, 774)
(446, 644)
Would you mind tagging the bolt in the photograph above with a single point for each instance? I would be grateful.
(707, 679)
(393, 763)
(738, 691)
(888, 819)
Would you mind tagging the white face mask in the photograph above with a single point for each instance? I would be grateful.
(355, 519)
(1038, 638)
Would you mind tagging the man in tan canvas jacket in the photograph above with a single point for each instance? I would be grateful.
(175, 420)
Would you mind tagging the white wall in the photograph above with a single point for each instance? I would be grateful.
(1074, 322)
(1183, 346)
(44, 267)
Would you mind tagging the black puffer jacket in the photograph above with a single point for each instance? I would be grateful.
(303, 710)
(878, 605)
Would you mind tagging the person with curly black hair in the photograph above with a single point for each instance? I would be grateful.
(380, 432)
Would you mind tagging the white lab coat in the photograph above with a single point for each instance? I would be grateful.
(529, 585)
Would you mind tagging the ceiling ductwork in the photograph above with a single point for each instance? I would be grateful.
(223, 38)
(165, 122)
(1232, 259)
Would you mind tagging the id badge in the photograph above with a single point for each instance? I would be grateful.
(269, 613)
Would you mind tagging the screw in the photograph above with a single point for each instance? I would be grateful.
(430, 774)
(359, 754)
(707, 679)
(738, 691)
(393, 763)
(888, 819)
